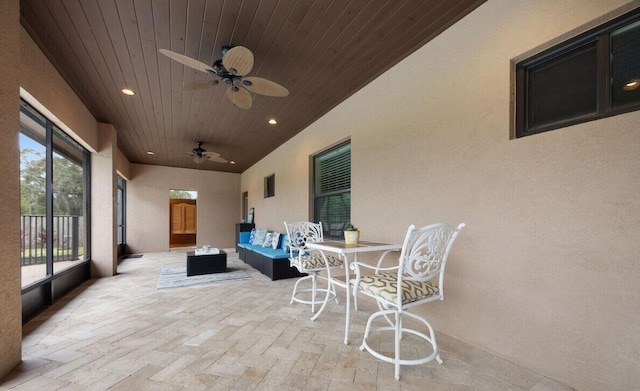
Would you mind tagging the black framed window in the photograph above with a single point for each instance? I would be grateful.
(332, 189)
(270, 186)
(54, 198)
(592, 76)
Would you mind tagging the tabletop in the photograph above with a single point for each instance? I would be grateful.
(340, 247)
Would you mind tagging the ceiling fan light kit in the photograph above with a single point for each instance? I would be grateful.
(235, 64)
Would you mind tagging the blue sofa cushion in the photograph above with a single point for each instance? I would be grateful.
(245, 236)
(271, 253)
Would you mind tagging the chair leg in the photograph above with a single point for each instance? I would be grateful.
(400, 327)
(398, 330)
(398, 337)
(313, 293)
(367, 329)
(355, 298)
(295, 289)
(311, 276)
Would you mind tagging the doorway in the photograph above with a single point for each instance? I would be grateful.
(245, 206)
(121, 216)
(183, 222)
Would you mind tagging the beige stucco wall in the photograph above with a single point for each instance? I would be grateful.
(104, 257)
(10, 300)
(47, 91)
(123, 167)
(148, 206)
(546, 272)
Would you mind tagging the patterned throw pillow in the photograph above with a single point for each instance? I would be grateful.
(276, 240)
(260, 235)
(285, 242)
(252, 237)
(268, 238)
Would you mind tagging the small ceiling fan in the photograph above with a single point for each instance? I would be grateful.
(232, 68)
(200, 155)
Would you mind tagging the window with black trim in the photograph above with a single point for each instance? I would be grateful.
(54, 199)
(592, 76)
(332, 189)
(270, 186)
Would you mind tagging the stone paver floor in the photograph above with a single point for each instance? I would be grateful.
(120, 333)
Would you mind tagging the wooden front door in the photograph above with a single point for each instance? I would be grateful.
(183, 222)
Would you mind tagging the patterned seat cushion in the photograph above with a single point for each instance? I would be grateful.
(314, 261)
(385, 285)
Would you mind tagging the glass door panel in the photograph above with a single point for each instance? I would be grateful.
(33, 206)
(69, 233)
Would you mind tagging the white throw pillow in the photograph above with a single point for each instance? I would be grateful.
(260, 235)
(275, 241)
(268, 238)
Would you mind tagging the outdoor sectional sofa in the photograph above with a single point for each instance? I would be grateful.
(269, 260)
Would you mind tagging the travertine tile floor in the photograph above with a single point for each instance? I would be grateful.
(121, 333)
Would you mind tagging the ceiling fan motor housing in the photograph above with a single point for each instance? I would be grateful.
(232, 68)
(199, 150)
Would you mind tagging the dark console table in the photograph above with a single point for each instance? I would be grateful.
(206, 263)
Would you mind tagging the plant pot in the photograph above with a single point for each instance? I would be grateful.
(351, 237)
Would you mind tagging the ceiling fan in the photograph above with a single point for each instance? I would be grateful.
(200, 155)
(232, 68)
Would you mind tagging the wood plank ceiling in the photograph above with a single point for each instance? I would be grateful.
(322, 51)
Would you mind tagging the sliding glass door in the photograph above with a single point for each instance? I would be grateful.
(54, 205)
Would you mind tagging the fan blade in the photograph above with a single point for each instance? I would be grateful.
(262, 86)
(210, 154)
(240, 97)
(188, 61)
(216, 159)
(199, 85)
(238, 60)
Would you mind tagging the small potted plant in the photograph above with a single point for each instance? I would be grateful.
(351, 234)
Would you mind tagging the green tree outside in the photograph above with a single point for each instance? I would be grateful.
(68, 185)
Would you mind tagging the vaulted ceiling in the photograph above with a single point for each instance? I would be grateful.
(322, 51)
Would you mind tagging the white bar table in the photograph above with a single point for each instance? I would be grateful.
(342, 249)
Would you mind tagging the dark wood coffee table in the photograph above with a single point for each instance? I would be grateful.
(206, 263)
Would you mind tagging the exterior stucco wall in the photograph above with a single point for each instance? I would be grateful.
(53, 96)
(104, 257)
(546, 272)
(10, 300)
(123, 167)
(218, 206)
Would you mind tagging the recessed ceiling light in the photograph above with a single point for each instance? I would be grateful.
(631, 85)
(232, 162)
(272, 121)
(127, 91)
(149, 152)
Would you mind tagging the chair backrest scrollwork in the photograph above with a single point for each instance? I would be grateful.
(302, 232)
(425, 252)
